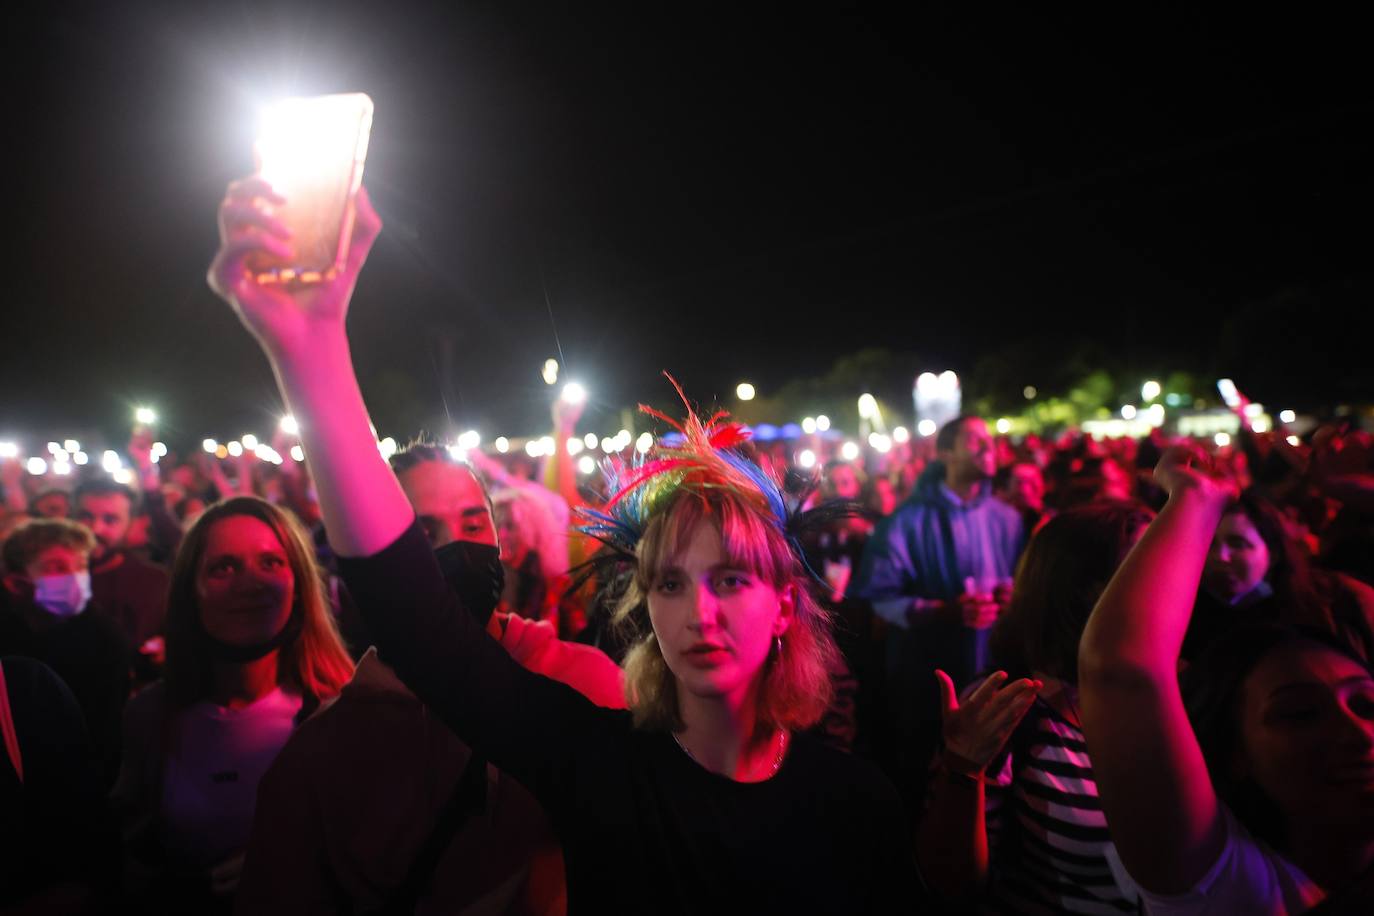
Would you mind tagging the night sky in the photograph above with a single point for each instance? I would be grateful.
(724, 195)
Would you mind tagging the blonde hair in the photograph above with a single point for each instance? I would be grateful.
(796, 688)
(315, 662)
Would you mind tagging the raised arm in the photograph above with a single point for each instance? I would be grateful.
(527, 725)
(1156, 793)
(301, 331)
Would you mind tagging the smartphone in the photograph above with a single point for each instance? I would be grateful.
(311, 151)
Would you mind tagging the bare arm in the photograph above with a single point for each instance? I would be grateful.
(301, 330)
(1156, 793)
(952, 839)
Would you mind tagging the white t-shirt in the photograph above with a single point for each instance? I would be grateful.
(210, 783)
(1248, 877)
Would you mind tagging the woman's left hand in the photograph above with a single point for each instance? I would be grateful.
(976, 732)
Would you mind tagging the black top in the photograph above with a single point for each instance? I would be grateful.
(643, 827)
(88, 652)
(56, 829)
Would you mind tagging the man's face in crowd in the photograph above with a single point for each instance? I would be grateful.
(449, 503)
(974, 455)
(1027, 488)
(108, 516)
(52, 505)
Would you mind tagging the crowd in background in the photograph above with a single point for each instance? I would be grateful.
(971, 672)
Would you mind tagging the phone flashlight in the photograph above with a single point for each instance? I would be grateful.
(311, 151)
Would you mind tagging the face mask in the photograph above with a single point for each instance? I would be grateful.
(63, 595)
(475, 574)
(229, 652)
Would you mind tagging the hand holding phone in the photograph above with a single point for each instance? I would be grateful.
(311, 151)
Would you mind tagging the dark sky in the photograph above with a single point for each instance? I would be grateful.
(722, 194)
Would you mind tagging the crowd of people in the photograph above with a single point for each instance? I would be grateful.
(972, 673)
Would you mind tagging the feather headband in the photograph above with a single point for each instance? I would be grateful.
(704, 456)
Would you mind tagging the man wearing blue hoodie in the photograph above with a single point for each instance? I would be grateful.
(939, 570)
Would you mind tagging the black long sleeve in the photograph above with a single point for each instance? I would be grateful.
(644, 828)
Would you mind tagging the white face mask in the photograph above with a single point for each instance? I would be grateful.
(64, 595)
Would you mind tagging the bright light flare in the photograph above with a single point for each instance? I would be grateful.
(1128, 412)
(547, 446)
(9, 449)
(502, 444)
(387, 447)
(849, 451)
(249, 441)
(586, 464)
(36, 466)
(469, 440)
(1222, 439)
(235, 448)
(209, 445)
(644, 442)
(608, 445)
(744, 391)
(926, 428)
(110, 461)
(297, 453)
(573, 393)
(901, 434)
(532, 448)
(868, 406)
(145, 415)
(589, 440)
(159, 449)
(1287, 416)
(1150, 390)
(822, 423)
(1003, 426)
(80, 459)
(54, 448)
(61, 468)
(1294, 440)
(1029, 392)
(880, 443)
(124, 476)
(71, 446)
(807, 458)
(1229, 394)
(808, 425)
(575, 446)
(550, 372)
(289, 425)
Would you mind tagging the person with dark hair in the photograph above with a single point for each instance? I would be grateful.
(939, 570)
(705, 796)
(1255, 796)
(1039, 840)
(252, 649)
(374, 804)
(1256, 571)
(130, 591)
(46, 613)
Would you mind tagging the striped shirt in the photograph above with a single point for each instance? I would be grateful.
(1049, 845)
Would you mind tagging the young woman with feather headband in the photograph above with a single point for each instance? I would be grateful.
(703, 798)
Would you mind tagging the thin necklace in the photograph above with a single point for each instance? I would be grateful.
(777, 761)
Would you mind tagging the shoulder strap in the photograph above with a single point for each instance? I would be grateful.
(469, 798)
(7, 729)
